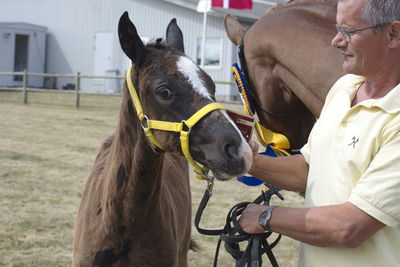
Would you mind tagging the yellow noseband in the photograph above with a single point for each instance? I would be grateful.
(201, 171)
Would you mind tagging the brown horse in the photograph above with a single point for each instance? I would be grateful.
(290, 64)
(136, 208)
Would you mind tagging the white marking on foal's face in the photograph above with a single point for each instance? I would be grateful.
(191, 72)
(244, 150)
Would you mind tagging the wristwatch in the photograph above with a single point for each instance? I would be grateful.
(265, 217)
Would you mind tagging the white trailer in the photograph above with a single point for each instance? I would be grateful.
(22, 47)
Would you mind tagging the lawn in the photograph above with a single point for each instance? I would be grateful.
(47, 148)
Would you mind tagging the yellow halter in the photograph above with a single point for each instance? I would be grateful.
(201, 171)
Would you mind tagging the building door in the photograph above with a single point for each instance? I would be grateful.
(21, 54)
(103, 56)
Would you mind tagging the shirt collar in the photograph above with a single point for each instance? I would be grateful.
(390, 103)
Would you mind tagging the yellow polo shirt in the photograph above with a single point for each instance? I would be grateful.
(354, 155)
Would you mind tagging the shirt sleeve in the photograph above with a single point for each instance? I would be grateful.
(377, 192)
(305, 151)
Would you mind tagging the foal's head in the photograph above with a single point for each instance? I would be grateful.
(171, 87)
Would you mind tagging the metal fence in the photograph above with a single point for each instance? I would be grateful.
(77, 90)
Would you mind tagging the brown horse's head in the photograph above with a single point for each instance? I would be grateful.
(289, 64)
(277, 106)
(172, 88)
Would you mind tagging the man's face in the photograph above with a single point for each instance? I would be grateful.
(366, 50)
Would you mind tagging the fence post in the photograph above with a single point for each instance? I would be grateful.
(24, 87)
(77, 89)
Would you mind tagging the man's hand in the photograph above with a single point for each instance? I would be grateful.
(254, 147)
(249, 219)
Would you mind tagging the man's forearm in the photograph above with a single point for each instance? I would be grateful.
(289, 173)
(304, 226)
(337, 225)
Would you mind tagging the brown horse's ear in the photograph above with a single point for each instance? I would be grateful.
(130, 41)
(175, 36)
(234, 29)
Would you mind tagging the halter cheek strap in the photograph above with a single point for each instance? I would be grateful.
(201, 171)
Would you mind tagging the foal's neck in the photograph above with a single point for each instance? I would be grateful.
(135, 175)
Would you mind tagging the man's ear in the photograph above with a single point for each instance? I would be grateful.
(394, 34)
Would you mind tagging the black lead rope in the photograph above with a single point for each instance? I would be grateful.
(232, 234)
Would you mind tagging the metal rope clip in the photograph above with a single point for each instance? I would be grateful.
(210, 184)
(209, 179)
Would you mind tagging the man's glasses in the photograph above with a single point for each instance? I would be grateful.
(347, 33)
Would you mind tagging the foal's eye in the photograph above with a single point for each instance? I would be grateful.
(164, 92)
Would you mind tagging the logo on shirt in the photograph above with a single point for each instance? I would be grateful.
(354, 140)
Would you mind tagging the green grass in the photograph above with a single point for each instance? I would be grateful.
(47, 148)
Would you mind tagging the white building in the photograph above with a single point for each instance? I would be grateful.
(82, 36)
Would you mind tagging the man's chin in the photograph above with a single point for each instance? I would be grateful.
(350, 68)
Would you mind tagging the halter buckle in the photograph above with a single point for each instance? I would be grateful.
(185, 127)
(145, 118)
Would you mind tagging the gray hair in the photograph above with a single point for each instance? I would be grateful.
(381, 11)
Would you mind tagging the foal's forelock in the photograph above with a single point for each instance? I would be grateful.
(192, 73)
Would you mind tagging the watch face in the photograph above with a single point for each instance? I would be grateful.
(264, 218)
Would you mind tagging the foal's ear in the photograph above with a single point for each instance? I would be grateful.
(130, 41)
(175, 36)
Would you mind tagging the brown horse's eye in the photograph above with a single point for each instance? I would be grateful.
(164, 92)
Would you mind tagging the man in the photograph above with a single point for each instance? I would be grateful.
(350, 167)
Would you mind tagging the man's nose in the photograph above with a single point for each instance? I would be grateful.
(339, 41)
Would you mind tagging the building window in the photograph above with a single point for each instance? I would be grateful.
(213, 52)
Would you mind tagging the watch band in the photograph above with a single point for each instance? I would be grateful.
(265, 217)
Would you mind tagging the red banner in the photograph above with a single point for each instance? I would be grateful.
(236, 4)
